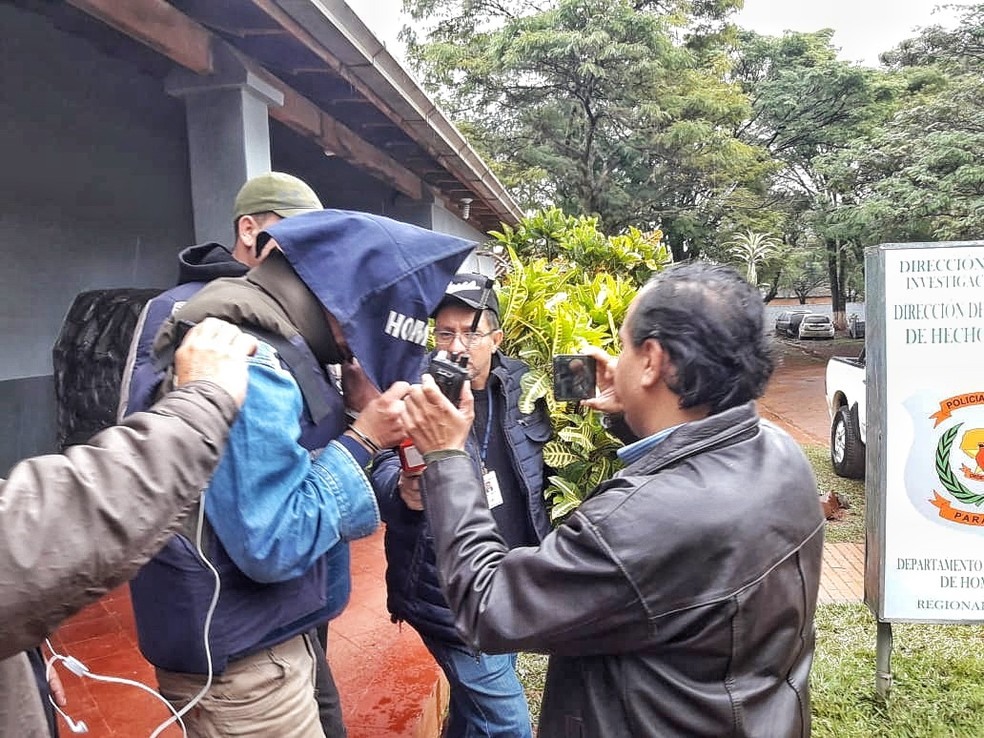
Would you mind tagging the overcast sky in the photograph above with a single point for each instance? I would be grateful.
(863, 28)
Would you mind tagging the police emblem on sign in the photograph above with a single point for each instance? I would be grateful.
(959, 462)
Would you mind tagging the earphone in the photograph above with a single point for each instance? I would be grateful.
(75, 727)
(78, 668)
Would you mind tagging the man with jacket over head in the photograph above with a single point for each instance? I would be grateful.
(678, 599)
(337, 288)
(506, 446)
(262, 201)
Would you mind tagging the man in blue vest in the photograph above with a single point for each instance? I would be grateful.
(261, 202)
(506, 446)
(336, 287)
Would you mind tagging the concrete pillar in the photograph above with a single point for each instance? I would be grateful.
(228, 137)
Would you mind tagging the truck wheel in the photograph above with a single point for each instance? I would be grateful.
(846, 449)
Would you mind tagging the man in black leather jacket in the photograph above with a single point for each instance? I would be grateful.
(678, 600)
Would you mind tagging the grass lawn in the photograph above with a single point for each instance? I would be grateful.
(850, 526)
(938, 670)
(938, 675)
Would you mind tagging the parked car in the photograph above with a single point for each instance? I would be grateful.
(855, 325)
(845, 387)
(787, 322)
(816, 326)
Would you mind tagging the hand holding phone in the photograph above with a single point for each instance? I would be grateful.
(574, 377)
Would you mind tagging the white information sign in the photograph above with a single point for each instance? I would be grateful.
(934, 434)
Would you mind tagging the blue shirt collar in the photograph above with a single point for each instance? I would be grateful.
(635, 451)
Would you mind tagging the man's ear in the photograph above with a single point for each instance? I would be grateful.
(654, 363)
(247, 228)
(496, 337)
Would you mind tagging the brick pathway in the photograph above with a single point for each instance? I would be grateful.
(842, 576)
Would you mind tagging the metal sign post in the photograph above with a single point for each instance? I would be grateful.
(924, 483)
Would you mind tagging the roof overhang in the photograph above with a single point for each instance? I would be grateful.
(341, 87)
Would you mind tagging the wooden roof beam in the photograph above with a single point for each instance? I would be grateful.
(158, 25)
(166, 29)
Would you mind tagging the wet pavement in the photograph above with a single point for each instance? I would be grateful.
(795, 399)
(795, 396)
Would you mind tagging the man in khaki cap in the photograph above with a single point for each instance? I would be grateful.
(261, 202)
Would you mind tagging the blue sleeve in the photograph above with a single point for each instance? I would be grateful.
(275, 506)
(385, 475)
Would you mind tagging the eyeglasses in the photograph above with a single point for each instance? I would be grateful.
(468, 338)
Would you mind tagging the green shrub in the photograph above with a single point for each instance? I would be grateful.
(568, 286)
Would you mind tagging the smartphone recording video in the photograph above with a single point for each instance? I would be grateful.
(574, 377)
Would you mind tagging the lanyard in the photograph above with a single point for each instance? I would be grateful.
(484, 449)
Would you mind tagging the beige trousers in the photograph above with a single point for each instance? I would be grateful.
(267, 694)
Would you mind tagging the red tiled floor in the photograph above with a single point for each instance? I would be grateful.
(389, 684)
(842, 576)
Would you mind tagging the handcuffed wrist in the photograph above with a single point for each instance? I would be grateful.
(365, 440)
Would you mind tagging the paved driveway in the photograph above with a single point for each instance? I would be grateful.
(795, 397)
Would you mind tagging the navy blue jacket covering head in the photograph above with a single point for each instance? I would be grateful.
(381, 279)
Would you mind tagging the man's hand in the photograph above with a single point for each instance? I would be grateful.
(216, 351)
(382, 419)
(607, 400)
(56, 688)
(356, 387)
(433, 422)
(409, 486)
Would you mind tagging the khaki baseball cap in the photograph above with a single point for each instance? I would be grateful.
(275, 192)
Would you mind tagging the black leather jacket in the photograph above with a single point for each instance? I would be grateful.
(677, 600)
(412, 585)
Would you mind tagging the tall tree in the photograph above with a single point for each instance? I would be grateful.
(924, 167)
(807, 106)
(603, 107)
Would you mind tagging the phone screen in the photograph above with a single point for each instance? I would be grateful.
(410, 458)
(574, 377)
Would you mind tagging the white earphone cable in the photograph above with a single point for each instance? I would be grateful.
(208, 626)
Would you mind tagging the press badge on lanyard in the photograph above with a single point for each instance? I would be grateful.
(492, 492)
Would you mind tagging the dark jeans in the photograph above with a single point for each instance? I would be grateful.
(329, 704)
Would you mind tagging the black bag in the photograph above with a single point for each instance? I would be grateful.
(89, 357)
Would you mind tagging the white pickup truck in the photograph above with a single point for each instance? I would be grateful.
(845, 384)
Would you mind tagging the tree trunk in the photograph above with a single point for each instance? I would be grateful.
(773, 287)
(836, 270)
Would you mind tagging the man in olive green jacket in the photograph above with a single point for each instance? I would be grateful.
(73, 526)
